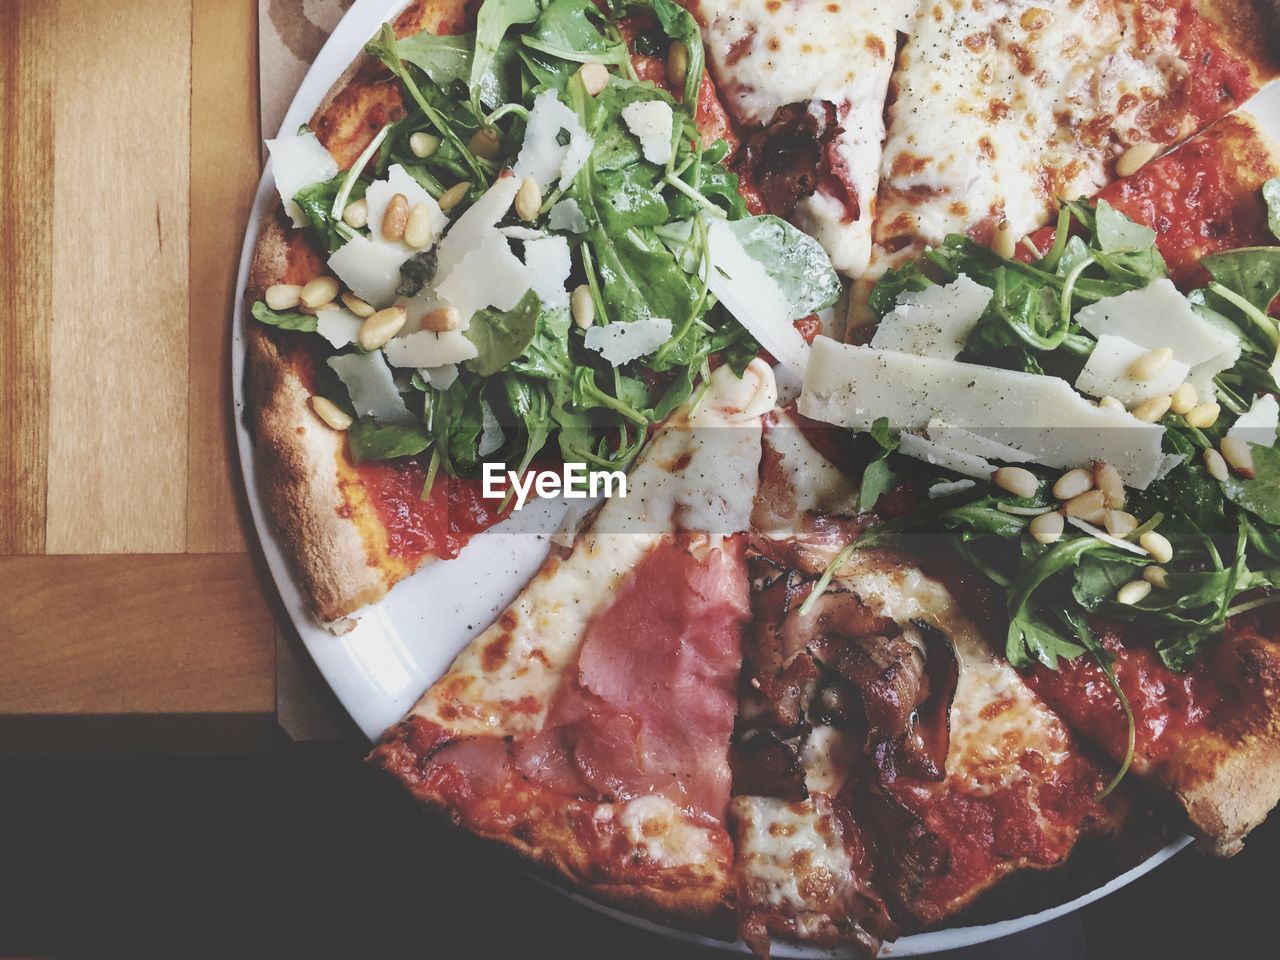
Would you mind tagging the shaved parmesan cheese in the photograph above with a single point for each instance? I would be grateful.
(298, 162)
(568, 216)
(959, 438)
(852, 386)
(1170, 462)
(1156, 316)
(958, 461)
(338, 325)
(935, 322)
(549, 265)
(370, 270)
(739, 282)
(521, 233)
(621, 343)
(652, 122)
(491, 436)
(542, 156)
(489, 276)
(427, 349)
(369, 384)
(1105, 537)
(1258, 424)
(470, 229)
(440, 378)
(379, 196)
(1106, 374)
(946, 488)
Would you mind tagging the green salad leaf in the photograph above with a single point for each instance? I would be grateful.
(283, 320)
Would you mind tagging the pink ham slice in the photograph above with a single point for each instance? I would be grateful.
(650, 709)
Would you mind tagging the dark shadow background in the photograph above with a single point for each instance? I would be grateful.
(316, 856)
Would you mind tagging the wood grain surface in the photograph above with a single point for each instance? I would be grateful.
(129, 154)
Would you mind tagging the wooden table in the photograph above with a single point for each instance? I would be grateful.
(129, 155)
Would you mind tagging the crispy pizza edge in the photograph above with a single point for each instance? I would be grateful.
(702, 903)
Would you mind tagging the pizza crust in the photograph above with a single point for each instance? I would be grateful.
(693, 897)
(1252, 29)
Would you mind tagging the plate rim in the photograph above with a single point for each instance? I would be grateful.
(344, 44)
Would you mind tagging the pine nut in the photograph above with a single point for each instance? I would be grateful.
(1215, 465)
(1072, 484)
(381, 327)
(1021, 483)
(594, 76)
(1150, 365)
(1204, 415)
(1047, 528)
(318, 292)
(357, 306)
(442, 320)
(1120, 524)
(1003, 243)
(356, 214)
(396, 218)
(1107, 479)
(582, 306)
(528, 200)
(1087, 506)
(283, 296)
(1158, 545)
(334, 417)
(1184, 400)
(417, 231)
(1156, 576)
(1149, 411)
(453, 196)
(1135, 591)
(1235, 450)
(677, 64)
(423, 145)
(485, 143)
(1110, 403)
(1136, 157)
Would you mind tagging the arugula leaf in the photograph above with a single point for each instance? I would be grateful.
(416, 272)
(370, 440)
(301, 322)
(1261, 495)
(795, 261)
(493, 21)
(679, 24)
(895, 282)
(983, 517)
(1251, 272)
(1271, 196)
(447, 61)
(1029, 636)
(316, 203)
(567, 30)
(501, 337)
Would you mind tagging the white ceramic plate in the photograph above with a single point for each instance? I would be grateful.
(403, 643)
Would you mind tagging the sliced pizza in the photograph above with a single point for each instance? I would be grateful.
(807, 82)
(589, 727)
(1000, 109)
(889, 766)
(1201, 198)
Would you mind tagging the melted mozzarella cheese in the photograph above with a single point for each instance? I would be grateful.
(657, 826)
(789, 852)
(1002, 107)
(767, 55)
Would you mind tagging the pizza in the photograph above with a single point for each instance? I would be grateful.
(885, 621)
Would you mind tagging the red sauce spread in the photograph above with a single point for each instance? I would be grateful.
(439, 526)
(1165, 704)
(1218, 81)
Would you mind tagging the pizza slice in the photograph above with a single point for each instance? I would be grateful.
(588, 729)
(807, 83)
(1000, 109)
(889, 766)
(1201, 198)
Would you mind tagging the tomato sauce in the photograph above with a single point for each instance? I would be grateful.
(439, 526)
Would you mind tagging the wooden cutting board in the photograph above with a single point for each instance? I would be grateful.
(128, 160)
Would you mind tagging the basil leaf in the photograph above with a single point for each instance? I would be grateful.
(284, 321)
(370, 440)
(500, 337)
(1261, 495)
